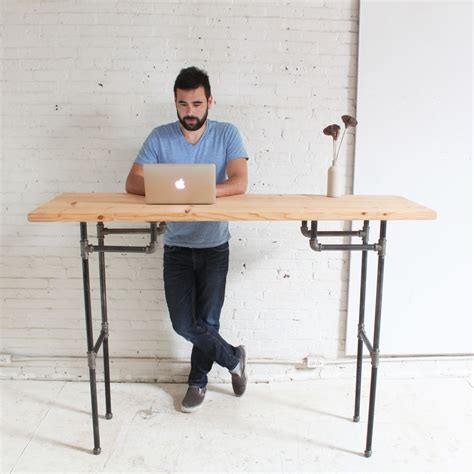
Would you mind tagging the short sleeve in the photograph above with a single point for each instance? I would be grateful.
(149, 151)
(234, 147)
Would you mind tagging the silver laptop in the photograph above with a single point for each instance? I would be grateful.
(180, 184)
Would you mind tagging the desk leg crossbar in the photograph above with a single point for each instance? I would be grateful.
(93, 349)
(373, 349)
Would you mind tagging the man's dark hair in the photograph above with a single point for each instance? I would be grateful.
(192, 78)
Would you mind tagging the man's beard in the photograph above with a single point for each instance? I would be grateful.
(196, 125)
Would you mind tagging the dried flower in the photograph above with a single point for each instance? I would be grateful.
(349, 121)
(332, 130)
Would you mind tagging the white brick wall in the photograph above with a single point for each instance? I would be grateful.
(84, 82)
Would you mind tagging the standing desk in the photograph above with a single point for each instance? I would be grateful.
(122, 207)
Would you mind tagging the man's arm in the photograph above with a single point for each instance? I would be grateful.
(237, 178)
(135, 183)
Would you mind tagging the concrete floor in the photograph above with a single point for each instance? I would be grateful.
(422, 424)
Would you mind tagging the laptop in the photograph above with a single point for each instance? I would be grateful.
(180, 184)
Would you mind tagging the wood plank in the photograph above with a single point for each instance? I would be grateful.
(94, 207)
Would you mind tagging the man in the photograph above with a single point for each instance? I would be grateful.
(196, 254)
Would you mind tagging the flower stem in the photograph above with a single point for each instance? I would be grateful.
(342, 139)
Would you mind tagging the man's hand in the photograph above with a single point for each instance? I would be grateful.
(135, 183)
(237, 178)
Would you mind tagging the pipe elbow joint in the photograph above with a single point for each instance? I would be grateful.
(304, 229)
(315, 245)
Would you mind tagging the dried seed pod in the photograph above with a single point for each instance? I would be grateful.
(349, 121)
(332, 130)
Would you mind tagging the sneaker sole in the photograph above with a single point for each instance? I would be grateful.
(190, 409)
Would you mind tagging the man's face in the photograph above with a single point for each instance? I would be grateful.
(192, 107)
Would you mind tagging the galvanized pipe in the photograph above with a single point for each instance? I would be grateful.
(313, 237)
(350, 247)
(99, 342)
(304, 228)
(90, 337)
(105, 325)
(361, 333)
(150, 248)
(318, 247)
(103, 339)
(121, 249)
(108, 231)
(330, 233)
(339, 233)
(161, 229)
(376, 340)
(366, 341)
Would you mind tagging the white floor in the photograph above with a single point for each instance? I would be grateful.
(422, 424)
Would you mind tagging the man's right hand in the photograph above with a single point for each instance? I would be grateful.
(135, 182)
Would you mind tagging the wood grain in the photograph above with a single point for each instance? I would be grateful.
(94, 207)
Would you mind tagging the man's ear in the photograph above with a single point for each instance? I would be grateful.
(210, 101)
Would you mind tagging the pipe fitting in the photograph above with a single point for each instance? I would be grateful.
(91, 356)
(304, 229)
(105, 328)
(375, 356)
(86, 249)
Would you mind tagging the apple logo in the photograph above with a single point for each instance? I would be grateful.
(180, 184)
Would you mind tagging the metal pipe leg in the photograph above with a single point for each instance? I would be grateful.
(376, 341)
(105, 324)
(108, 400)
(360, 344)
(90, 337)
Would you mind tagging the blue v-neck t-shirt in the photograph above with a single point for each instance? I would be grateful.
(220, 143)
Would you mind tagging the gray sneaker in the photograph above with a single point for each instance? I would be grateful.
(239, 382)
(193, 399)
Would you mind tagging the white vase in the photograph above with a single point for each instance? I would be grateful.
(335, 181)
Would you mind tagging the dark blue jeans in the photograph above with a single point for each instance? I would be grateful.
(195, 287)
